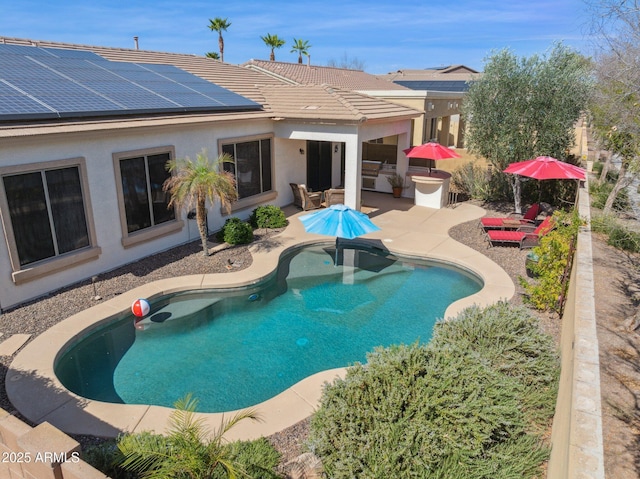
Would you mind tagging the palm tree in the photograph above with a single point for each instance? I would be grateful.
(214, 55)
(188, 450)
(302, 47)
(274, 42)
(195, 182)
(220, 25)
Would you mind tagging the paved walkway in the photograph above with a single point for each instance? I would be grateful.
(36, 392)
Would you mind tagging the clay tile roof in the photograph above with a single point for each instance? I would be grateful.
(303, 74)
(324, 102)
(451, 73)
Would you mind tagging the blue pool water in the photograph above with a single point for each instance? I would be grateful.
(237, 348)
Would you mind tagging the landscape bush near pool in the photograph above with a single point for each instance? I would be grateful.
(268, 216)
(473, 403)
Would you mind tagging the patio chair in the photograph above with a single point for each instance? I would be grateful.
(333, 196)
(511, 221)
(303, 199)
(525, 236)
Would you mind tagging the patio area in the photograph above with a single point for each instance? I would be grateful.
(410, 230)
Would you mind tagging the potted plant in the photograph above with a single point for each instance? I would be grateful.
(397, 183)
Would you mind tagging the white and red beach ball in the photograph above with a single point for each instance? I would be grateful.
(140, 308)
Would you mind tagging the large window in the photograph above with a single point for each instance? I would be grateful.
(46, 216)
(251, 166)
(144, 205)
(47, 213)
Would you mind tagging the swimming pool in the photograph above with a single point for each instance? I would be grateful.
(236, 348)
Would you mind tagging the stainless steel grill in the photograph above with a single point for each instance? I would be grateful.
(371, 168)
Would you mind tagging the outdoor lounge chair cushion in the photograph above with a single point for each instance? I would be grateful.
(334, 196)
(524, 237)
(512, 222)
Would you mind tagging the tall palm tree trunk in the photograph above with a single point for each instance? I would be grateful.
(201, 219)
(221, 46)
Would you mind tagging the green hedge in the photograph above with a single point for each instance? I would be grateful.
(553, 254)
(268, 216)
(473, 403)
(235, 231)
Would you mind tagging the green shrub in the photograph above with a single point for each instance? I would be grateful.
(603, 223)
(624, 239)
(472, 403)
(257, 459)
(599, 193)
(235, 231)
(597, 167)
(268, 216)
(106, 457)
(553, 256)
(619, 236)
(472, 180)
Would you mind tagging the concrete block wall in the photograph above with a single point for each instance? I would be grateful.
(42, 452)
(576, 441)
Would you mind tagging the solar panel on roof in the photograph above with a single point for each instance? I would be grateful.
(39, 83)
(435, 85)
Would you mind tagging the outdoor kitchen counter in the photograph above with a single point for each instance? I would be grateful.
(431, 189)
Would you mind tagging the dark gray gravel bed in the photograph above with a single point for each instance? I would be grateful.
(37, 316)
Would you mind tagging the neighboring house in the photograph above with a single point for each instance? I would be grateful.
(442, 90)
(85, 133)
(437, 92)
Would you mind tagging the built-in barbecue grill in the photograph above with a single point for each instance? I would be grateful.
(371, 168)
(370, 171)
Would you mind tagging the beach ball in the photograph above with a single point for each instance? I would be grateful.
(140, 308)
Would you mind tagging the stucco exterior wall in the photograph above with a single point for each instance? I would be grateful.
(97, 150)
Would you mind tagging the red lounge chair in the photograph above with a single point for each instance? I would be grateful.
(511, 222)
(525, 236)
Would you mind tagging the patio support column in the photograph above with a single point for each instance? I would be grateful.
(353, 172)
(446, 122)
(461, 130)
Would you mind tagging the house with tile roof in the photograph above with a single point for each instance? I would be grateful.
(442, 90)
(438, 94)
(85, 133)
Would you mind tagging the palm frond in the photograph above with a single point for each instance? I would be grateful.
(143, 452)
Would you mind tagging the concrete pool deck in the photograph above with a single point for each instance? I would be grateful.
(410, 230)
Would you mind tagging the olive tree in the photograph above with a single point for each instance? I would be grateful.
(521, 108)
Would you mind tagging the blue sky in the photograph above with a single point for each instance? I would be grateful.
(385, 35)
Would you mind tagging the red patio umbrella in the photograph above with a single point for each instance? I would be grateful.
(546, 168)
(431, 151)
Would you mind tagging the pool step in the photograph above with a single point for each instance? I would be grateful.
(177, 308)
